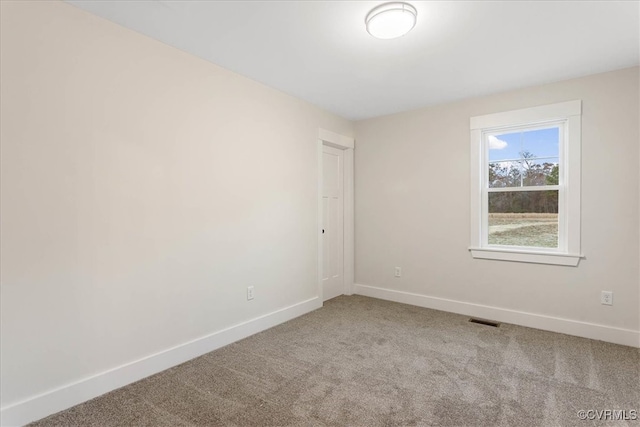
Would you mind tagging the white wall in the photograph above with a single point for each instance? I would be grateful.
(412, 210)
(143, 190)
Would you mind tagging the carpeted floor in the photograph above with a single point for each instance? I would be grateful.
(365, 362)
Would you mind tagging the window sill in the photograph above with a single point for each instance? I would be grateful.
(570, 260)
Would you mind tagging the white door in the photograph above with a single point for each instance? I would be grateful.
(333, 222)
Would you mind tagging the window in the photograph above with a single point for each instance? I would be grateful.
(525, 185)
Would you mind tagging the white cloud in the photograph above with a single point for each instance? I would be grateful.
(496, 144)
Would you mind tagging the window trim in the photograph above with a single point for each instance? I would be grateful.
(570, 113)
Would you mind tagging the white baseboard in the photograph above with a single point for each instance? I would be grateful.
(555, 324)
(69, 395)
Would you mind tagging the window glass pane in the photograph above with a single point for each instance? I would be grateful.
(540, 172)
(524, 158)
(541, 143)
(505, 174)
(505, 146)
(524, 218)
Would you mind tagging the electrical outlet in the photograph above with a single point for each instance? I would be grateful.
(606, 298)
(249, 293)
(398, 272)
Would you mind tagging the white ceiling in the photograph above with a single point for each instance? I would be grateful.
(320, 51)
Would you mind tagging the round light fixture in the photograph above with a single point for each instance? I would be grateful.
(391, 20)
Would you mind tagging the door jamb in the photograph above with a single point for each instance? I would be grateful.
(346, 144)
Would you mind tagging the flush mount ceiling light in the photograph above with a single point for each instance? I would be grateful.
(391, 20)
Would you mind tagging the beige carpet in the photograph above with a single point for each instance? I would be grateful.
(365, 362)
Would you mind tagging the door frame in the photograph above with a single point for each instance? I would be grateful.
(347, 144)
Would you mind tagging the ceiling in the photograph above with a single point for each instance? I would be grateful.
(320, 51)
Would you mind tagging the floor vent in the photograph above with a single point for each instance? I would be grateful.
(484, 322)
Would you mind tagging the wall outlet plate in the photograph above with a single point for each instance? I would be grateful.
(606, 298)
(249, 293)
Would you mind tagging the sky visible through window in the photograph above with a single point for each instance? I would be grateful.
(539, 142)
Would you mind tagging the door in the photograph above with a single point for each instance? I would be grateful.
(333, 222)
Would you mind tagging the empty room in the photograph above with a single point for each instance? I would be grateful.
(319, 213)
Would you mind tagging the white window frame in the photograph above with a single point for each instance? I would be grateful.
(569, 116)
